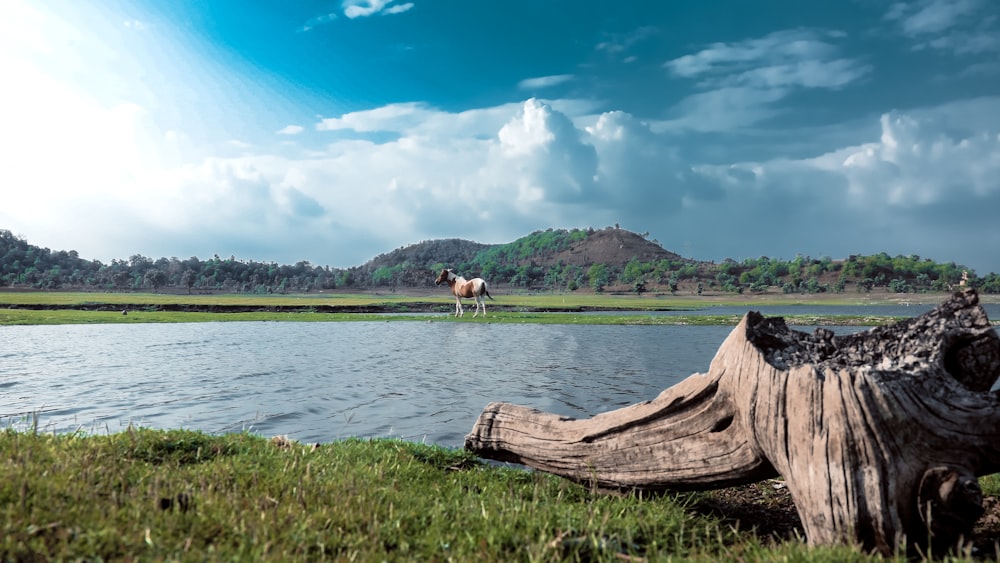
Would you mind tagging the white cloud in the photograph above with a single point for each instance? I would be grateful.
(392, 117)
(618, 43)
(318, 21)
(964, 27)
(540, 152)
(290, 130)
(931, 16)
(743, 81)
(400, 8)
(927, 185)
(922, 186)
(723, 109)
(971, 43)
(638, 171)
(917, 162)
(831, 74)
(544, 81)
(776, 48)
(418, 119)
(364, 8)
(528, 133)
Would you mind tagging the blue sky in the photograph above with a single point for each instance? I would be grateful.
(335, 131)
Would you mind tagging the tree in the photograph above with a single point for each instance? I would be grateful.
(188, 278)
(154, 279)
(385, 275)
(633, 271)
(899, 285)
(598, 276)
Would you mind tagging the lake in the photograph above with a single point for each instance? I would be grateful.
(319, 382)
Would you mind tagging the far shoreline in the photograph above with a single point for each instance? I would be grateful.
(21, 307)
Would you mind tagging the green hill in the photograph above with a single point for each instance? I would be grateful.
(610, 259)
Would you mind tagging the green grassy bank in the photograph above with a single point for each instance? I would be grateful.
(527, 299)
(180, 495)
(98, 308)
(66, 316)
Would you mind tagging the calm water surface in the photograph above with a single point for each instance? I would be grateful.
(318, 382)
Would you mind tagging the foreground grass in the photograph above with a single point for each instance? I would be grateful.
(182, 495)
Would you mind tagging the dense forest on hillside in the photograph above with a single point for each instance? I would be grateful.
(609, 259)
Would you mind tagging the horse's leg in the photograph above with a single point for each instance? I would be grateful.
(459, 312)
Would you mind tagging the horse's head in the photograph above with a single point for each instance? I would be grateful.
(444, 276)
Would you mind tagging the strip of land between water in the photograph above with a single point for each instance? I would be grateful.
(21, 307)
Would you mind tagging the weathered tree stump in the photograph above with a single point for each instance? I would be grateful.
(880, 435)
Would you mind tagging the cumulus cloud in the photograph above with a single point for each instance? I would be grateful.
(545, 148)
(918, 163)
(921, 187)
(290, 130)
(439, 177)
(639, 172)
(929, 173)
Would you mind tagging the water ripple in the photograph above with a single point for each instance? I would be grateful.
(319, 382)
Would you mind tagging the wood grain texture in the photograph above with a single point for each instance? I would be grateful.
(879, 435)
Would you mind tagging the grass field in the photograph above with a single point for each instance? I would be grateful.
(185, 496)
(545, 299)
(85, 308)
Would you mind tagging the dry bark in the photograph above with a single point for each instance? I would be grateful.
(880, 435)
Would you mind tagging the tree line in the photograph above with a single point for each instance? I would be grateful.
(525, 264)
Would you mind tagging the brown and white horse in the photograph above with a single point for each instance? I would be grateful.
(463, 288)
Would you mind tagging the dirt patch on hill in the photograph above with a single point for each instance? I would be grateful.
(614, 247)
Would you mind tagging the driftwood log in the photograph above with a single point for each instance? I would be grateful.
(880, 436)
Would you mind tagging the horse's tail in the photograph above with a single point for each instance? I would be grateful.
(486, 292)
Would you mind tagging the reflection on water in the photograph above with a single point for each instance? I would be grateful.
(318, 382)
